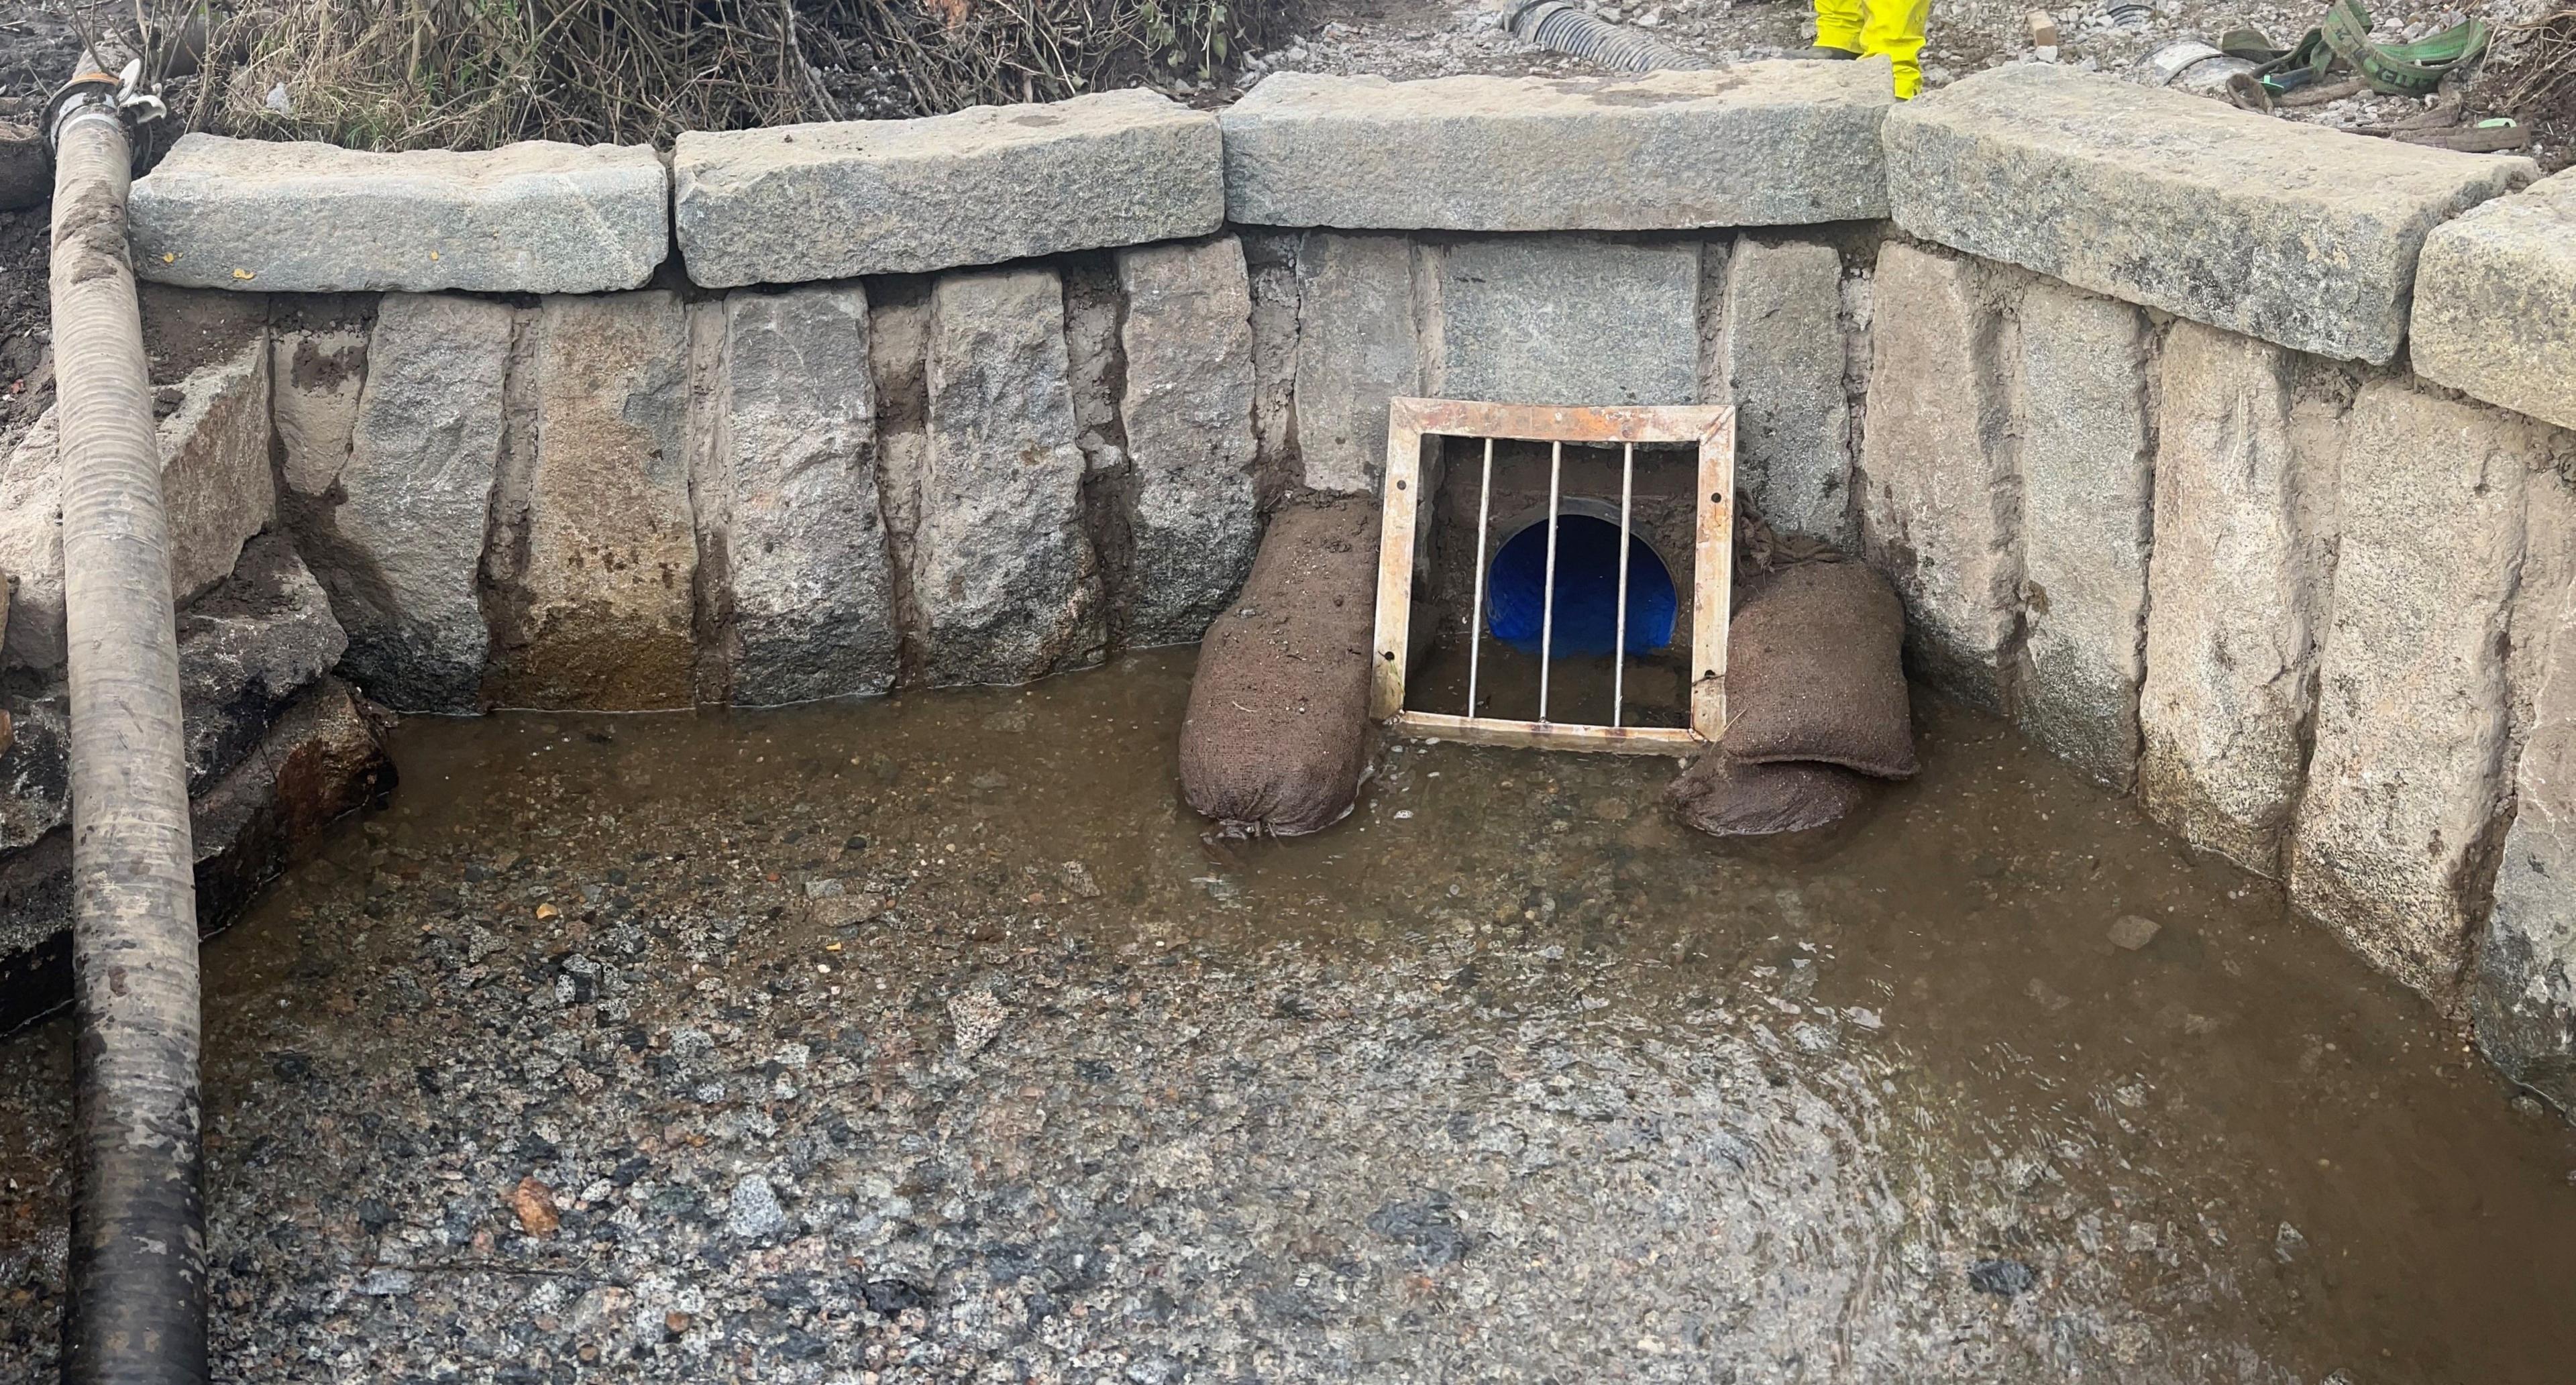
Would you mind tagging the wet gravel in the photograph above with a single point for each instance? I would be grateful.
(925, 1040)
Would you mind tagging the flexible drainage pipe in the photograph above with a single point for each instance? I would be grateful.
(1561, 28)
(138, 1274)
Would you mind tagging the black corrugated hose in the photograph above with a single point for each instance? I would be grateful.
(1560, 27)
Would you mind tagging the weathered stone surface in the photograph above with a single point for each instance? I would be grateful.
(317, 369)
(1784, 364)
(322, 758)
(1188, 412)
(1756, 144)
(2495, 302)
(978, 186)
(1005, 577)
(2406, 789)
(597, 599)
(2522, 986)
(1940, 503)
(2294, 233)
(2237, 595)
(401, 550)
(31, 549)
(1271, 259)
(1358, 345)
(245, 650)
(795, 499)
(1568, 320)
(2087, 520)
(537, 217)
(216, 482)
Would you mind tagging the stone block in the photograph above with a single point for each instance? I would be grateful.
(599, 570)
(245, 651)
(1568, 320)
(216, 482)
(2495, 302)
(218, 485)
(1188, 408)
(977, 186)
(317, 369)
(2522, 986)
(401, 550)
(536, 217)
(1940, 503)
(2238, 588)
(2087, 474)
(1755, 144)
(1004, 574)
(2293, 233)
(1358, 345)
(794, 514)
(2406, 790)
(1784, 364)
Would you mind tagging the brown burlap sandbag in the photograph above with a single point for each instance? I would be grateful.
(1277, 734)
(1725, 797)
(1814, 671)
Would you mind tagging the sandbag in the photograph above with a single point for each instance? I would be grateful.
(1815, 671)
(1725, 797)
(1277, 734)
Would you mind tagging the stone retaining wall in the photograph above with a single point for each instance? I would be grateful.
(2220, 452)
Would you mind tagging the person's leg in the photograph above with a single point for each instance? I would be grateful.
(1838, 25)
(1893, 27)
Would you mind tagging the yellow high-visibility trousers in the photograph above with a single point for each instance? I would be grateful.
(1872, 27)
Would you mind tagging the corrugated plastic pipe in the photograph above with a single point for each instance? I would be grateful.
(1561, 28)
(138, 1257)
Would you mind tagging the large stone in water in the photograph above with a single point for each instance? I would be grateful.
(1568, 320)
(536, 217)
(321, 758)
(2238, 590)
(2406, 790)
(2294, 233)
(1188, 412)
(598, 588)
(1785, 365)
(2087, 475)
(2495, 302)
(1358, 345)
(2522, 987)
(401, 551)
(1940, 504)
(245, 650)
(790, 502)
(1004, 575)
(977, 186)
(216, 483)
(1756, 144)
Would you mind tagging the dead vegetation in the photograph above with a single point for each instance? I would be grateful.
(467, 74)
(2535, 74)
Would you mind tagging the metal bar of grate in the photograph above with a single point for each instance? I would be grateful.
(1547, 594)
(1476, 613)
(1619, 641)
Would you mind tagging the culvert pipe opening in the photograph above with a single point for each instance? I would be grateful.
(1587, 587)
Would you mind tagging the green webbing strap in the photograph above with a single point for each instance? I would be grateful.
(2342, 39)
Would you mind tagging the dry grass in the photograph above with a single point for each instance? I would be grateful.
(470, 74)
(2536, 78)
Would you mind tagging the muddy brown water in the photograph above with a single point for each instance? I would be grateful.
(2232, 1153)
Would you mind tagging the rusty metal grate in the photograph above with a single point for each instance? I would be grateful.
(1711, 427)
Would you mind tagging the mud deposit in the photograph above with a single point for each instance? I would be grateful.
(790, 1047)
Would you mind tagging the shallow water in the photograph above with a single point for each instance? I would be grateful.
(1505, 1077)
